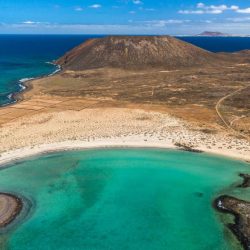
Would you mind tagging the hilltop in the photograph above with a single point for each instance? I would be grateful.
(135, 52)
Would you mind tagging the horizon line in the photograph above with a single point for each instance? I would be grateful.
(78, 34)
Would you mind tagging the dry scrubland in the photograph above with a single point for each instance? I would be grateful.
(86, 122)
(163, 91)
(168, 107)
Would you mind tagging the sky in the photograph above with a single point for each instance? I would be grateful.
(173, 17)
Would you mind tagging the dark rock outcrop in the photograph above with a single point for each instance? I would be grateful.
(246, 181)
(241, 210)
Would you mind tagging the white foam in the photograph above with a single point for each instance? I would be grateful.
(50, 63)
(23, 80)
(56, 71)
(26, 79)
(10, 96)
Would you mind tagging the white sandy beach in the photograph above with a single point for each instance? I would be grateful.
(110, 127)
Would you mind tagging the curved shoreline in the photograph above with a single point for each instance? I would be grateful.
(219, 203)
(26, 152)
(10, 208)
(26, 86)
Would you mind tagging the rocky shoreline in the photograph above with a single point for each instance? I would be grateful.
(187, 148)
(10, 208)
(240, 209)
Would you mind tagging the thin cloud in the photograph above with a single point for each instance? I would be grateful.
(146, 9)
(202, 8)
(30, 22)
(163, 23)
(196, 12)
(95, 6)
(243, 11)
(173, 27)
(239, 19)
(137, 2)
(79, 9)
(150, 9)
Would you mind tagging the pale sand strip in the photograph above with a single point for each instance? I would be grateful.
(120, 127)
(26, 152)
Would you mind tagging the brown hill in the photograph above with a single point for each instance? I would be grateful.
(135, 52)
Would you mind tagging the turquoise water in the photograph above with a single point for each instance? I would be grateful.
(122, 199)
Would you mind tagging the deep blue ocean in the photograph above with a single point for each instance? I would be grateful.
(28, 56)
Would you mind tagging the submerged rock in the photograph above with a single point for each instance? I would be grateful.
(241, 210)
(246, 181)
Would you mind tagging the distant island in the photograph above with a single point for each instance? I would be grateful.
(214, 34)
(218, 34)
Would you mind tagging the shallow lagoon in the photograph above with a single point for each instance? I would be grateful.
(122, 199)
